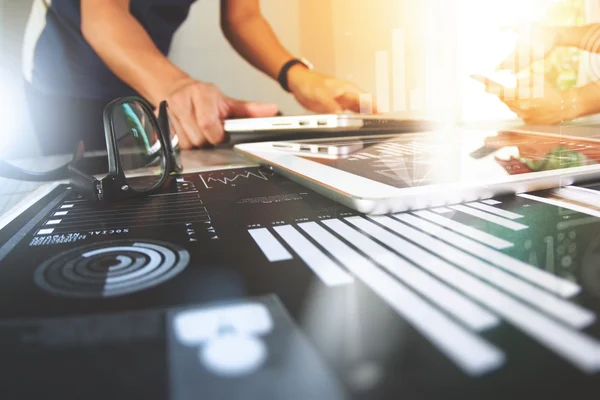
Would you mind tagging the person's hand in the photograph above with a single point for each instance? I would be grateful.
(548, 108)
(324, 94)
(534, 42)
(197, 111)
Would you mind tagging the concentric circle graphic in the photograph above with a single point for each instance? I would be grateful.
(111, 269)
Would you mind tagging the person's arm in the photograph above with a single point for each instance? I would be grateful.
(535, 42)
(127, 49)
(586, 37)
(252, 37)
(197, 109)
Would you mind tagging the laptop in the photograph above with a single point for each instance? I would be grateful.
(317, 126)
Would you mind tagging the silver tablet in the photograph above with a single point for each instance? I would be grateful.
(393, 173)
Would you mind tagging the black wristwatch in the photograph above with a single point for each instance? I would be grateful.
(282, 78)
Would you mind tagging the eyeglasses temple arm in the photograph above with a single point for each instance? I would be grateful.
(86, 184)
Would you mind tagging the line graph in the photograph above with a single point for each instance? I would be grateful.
(230, 178)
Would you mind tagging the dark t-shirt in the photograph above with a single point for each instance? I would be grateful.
(65, 64)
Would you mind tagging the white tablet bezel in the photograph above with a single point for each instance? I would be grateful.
(372, 197)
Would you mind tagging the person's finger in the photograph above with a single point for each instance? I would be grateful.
(327, 101)
(184, 142)
(210, 125)
(249, 109)
(191, 128)
(349, 97)
(491, 86)
(509, 62)
(350, 101)
(342, 87)
(206, 115)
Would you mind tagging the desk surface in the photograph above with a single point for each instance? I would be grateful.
(494, 299)
(12, 191)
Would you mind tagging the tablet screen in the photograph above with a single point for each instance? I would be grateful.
(410, 160)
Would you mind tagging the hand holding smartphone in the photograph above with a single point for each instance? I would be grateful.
(503, 84)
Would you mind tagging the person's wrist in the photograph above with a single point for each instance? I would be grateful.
(168, 86)
(296, 76)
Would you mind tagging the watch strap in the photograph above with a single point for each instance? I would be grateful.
(282, 78)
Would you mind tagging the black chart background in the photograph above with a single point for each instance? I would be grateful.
(349, 326)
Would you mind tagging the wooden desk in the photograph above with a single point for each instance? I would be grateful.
(12, 191)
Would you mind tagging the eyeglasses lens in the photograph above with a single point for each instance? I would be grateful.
(140, 151)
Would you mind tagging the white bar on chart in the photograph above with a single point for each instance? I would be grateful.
(466, 230)
(66, 206)
(370, 155)
(382, 79)
(570, 313)
(60, 213)
(535, 275)
(45, 231)
(512, 225)
(463, 309)
(407, 147)
(54, 222)
(493, 210)
(399, 70)
(391, 151)
(471, 353)
(562, 204)
(578, 348)
(442, 210)
(392, 145)
(270, 246)
(329, 272)
(366, 103)
(491, 202)
(180, 180)
(394, 150)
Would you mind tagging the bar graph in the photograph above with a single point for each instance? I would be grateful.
(76, 215)
(449, 280)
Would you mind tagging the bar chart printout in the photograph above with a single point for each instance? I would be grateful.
(451, 280)
(486, 299)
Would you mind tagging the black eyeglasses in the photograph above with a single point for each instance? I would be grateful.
(142, 149)
(142, 152)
